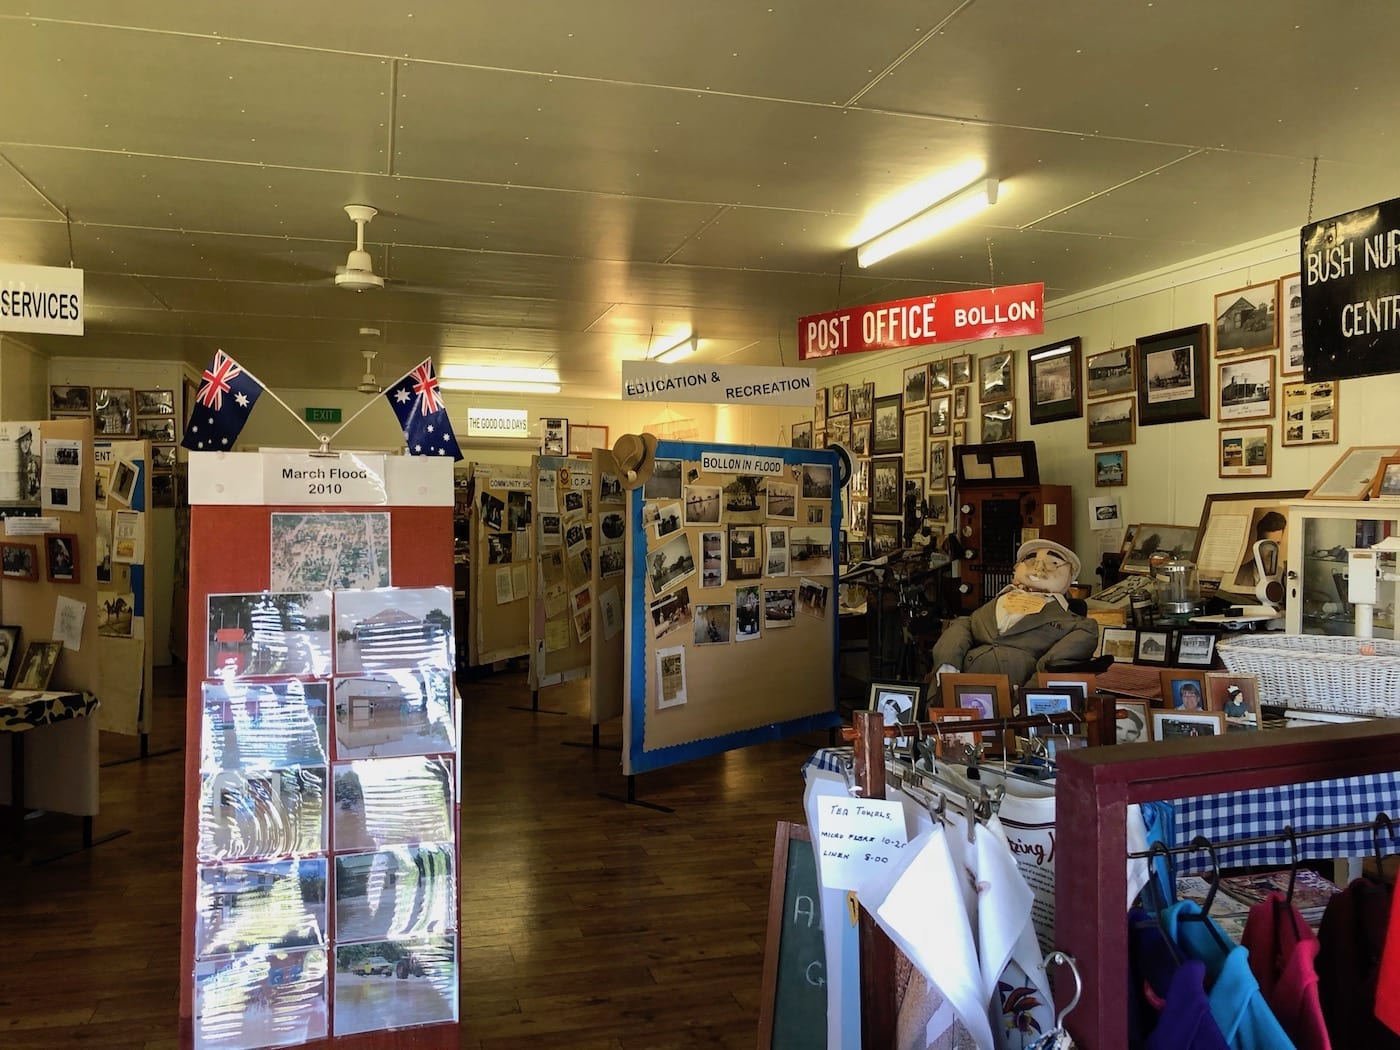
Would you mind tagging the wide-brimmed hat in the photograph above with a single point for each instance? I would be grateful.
(1031, 546)
(635, 455)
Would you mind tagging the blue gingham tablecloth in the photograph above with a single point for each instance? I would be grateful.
(829, 759)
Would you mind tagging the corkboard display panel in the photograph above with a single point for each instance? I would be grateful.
(609, 592)
(498, 630)
(552, 621)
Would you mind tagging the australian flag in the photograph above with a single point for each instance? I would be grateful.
(418, 403)
(226, 396)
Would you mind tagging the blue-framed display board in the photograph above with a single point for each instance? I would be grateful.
(731, 618)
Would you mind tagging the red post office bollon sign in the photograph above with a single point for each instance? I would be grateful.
(957, 317)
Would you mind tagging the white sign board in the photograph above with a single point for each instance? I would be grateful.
(498, 422)
(718, 384)
(41, 299)
(740, 463)
(859, 840)
(342, 479)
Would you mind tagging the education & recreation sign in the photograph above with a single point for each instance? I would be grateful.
(717, 384)
(956, 317)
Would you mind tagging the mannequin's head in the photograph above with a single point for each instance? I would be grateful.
(1044, 565)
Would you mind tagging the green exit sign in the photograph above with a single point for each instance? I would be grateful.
(322, 415)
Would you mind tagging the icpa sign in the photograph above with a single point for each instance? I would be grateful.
(498, 422)
(41, 299)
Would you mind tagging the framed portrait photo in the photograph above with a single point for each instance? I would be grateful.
(1110, 373)
(1131, 725)
(19, 561)
(1111, 422)
(1110, 469)
(1310, 413)
(837, 398)
(1179, 725)
(1246, 452)
(113, 411)
(995, 377)
(1246, 388)
(860, 438)
(36, 667)
(998, 421)
(1184, 690)
(940, 378)
(916, 386)
(1173, 382)
(960, 400)
(898, 702)
(1236, 696)
(887, 425)
(819, 409)
(1054, 382)
(1246, 319)
(61, 554)
(940, 415)
(985, 695)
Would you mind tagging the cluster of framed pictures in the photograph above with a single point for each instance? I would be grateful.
(1174, 647)
(20, 561)
(123, 412)
(31, 669)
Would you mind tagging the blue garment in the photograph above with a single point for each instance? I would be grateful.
(1235, 1000)
(1158, 821)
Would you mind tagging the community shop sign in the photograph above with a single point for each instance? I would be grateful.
(41, 299)
(717, 384)
(958, 317)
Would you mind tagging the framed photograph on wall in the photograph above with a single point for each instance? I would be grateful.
(1246, 388)
(915, 386)
(886, 537)
(554, 437)
(860, 438)
(960, 369)
(19, 561)
(836, 398)
(939, 415)
(915, 441)
(819, 409)
(584, 438)
(838, 429)
(887, 485)
(998, 421)
(1246, 452)
(940, 379)
(156, 428)
(995, 377)
(960, 402)
(1054, 382)
(113, 411)
(862, 401)
(1110, 469)
(887, 426)
(1173, 383)
(801, 435)
(155, 402)
(1290, 295)
(1246, 319)
(1310, 412)
(61, 555)
(1110, 373)
(1111, 422)
(74, 399)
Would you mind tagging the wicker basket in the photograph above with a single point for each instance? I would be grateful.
(1319, 672)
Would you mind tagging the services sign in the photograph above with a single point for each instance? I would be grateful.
(717, 384)
(957, 317)
(41, 299)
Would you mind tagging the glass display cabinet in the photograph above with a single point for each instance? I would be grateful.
(1317, 583)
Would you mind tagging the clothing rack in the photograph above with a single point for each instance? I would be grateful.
(878, 1013)
(1382, 822)
(1093, 791)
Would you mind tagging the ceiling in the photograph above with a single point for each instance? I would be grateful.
(575, 184)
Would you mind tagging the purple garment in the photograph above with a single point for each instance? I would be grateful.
(1168, 1005)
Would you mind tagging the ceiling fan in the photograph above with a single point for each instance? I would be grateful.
(369, 383)
(358, 274)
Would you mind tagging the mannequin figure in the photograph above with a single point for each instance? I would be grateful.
(1025, 627)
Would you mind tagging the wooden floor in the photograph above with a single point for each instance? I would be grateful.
(587, 924)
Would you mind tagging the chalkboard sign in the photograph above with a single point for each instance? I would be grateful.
(793, 1011)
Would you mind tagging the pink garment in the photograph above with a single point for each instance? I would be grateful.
(1388, 979)
(1282, 956)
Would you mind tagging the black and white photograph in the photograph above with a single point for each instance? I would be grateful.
(395, 984)
(19, 561)
(1173, 379)
(518, 508)
(885, 537)
(748, 613)
(836, 398)
(263, 904)
(17, 446)
(401, 891)
(61, 557)
(860, 439)
(960, 400)
(283, 633)
(714, 624)
(711, 559)
(1153, 647)
(937, 463)
(1170, 374)
(1310, 413)
(812, 597)
(940, 377)
(115, 611)
(670, 563)
(554, 438)
(1054, 382)
(775, 539)
(995, 376)
(70, 399)
(493, 511)
(265, 725)
(887, 427)
(940, 415)
(801, 435)
(1246, 319)
(915, 386)
(330, 551)
(393, 627)
(665, 480)
(745, 560)
(1111, 422)
(392, 802)
(155, 402)
(668, 519)
(816, 481)
(862, 401)
(612, 559)
(898, 704)
(400, 712)
(838, 429)
(998, 421)
(551, 531)
(743, 499)
(809, 550)
(782, 499)
(1290, 290)
(887, 485)
(779, 607)
(500, 548)
(1195, 650)
(1246, 388)
(702, 504)
(960, 369)
(1110, 373)
(937, 505)
(163, 457)
(612, 525)
(610, 490)
(9, 648)
(670, 612)
(574, 502)
(112, 412)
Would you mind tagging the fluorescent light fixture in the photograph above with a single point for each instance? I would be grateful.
(942, 215)
(500, 378)
(676, 352)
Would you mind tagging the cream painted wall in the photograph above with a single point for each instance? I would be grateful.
(1172, 467)
(24, 382)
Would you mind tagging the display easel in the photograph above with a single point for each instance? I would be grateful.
(230, 496)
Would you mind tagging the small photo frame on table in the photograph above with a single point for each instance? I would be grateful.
(1119, 643)
(801, 435)
(155, 402)
(960, 369)
(862, 401)
(995, 377)
(1177, 725)
(1290, 297)
(939, 415)
(949, 745)
(1246, 452)
(1245, 388)
(584, 438)
(1111, 373)
(1173, 383)
(1131, 723)
(1111, 422)
(112, 411)
(998, 421)
(1054, 382)
(986, 695)
(75, 399)
(1110, 469)
(915, 386)
(1194, 649)
(887, 425)
(1310, 413)
(1236, 696)
(1153, 647)
(1246, 319)
(1048, 700)
(61, 557)
(1386, 484)
(836, 398)
(898, 702)
(19, 561)
(36, 667)
(1184, 690)
(1351, 477)
(1083, 684)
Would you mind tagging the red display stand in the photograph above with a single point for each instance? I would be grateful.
(231, 553)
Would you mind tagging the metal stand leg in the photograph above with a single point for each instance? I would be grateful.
(632, 799)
